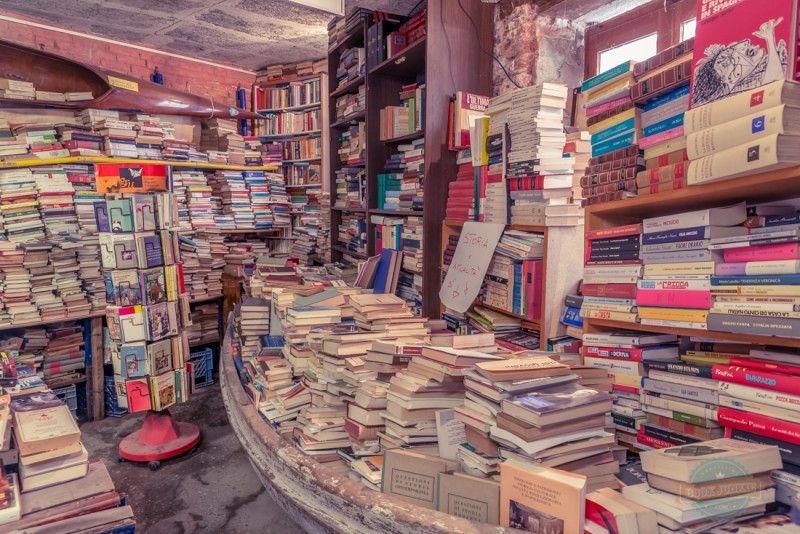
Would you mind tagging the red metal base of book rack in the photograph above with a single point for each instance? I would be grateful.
(159, 438)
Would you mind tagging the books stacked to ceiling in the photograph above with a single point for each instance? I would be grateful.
(614, 122)
(613, 273)
(662, 89)
(119, 137)
(461, 197)
(687, 264)
(513, 282)
(80, 140)
(49, 482)
(56, 202)
(579, 148)
(626, 357)
(350, 105)
(11, 148)
(221, 138)
(41, 140)
(544, 415)
(352, 65)
(231, 189)
(351, 188)
(340, 28)
(688, 494)
(20, 206)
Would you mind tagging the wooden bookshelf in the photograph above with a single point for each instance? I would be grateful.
(762, 187)
(99, 159)
(448, 59)
(52, 321)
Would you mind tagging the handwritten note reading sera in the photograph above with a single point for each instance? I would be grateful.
(470, 262)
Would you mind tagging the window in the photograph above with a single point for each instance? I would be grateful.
(688, 29)
(637, 50)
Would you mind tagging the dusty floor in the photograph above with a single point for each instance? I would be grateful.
(214, 490)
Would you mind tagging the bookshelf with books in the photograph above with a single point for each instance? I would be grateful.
(429, 70)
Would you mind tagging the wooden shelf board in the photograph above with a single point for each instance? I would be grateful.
(343, 250)
(347, 120)
(305, 160)
(506, 312)
(399, 213)
(410, 137)
(354, 210)
(53, 321)
(357, 37)
(592, 324)
(295, 134)
(349, 87)
(97, 159)
(292, 108)
(407, 63)
(755, 188)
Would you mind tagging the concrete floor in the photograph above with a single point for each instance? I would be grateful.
(214, 490)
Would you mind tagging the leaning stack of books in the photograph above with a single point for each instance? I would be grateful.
(41, 139)
(690, 490)
(20, 206)
(612, 273)
(613, 121)
(685, 264)
(119, 137)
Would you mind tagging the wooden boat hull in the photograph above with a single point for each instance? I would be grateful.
(318, 499)
(112, 90)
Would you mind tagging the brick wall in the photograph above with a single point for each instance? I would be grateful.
(198, 78)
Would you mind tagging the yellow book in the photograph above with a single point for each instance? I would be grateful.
(704, 361)
(673, 314)
(696, 267)
(606, 90)
(628, 317)
(620, 379)
(616, 119)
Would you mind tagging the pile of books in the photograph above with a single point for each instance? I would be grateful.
(119, 136)
(613, 272)
(19, 206)
(324, 230)
(352, 65)
(205, 324)
(353, 145)
(17, 89)
(461, 198)
(230, 187)
(41, 140)
(614, 123)
(353, 233)
(351, 187)
(56, 202)
(350, 105)
(340, 28)
(222, 137)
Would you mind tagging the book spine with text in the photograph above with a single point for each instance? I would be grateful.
(756, 377)
(674, 299)
(760, 424)
(783, 251)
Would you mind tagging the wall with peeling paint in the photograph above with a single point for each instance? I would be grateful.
(535, 48)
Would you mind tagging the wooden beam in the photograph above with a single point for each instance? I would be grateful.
(95, 386)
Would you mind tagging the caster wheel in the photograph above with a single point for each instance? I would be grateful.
(193, 451)
(121, 460)
(153, 465)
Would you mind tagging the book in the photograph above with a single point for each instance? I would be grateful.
(695, 463)
(739, 30)
(45, 429)
(712, 489)
(521, 368)
(772, 152)
(557, 403)
(469, 497)
(724, 216)
(523, 506)
(414, 477)
(56, 471)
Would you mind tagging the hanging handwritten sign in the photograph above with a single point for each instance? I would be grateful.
(471, 260)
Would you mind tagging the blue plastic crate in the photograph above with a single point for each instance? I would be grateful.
(203, 362)
(110, 389)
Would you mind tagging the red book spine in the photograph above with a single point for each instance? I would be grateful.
(617, 231)
(626, 389)
(764, 365)
(650, 441)
(613, 353)
(781, 251)
(759, 424)
(620, 291)
(756, 378)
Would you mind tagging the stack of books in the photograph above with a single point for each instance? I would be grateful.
(20, 207)
(56, 202)
(324, 231)
(259, 187)
(41, 139)
(353, 233)
(350, 187)
(353, 144)
(350, 105)
(614, 122)
(579, 148)
(80, 140)
(340, 28)
(513, 282)
(231, 188)
(279, 201)
(119, 137)
(352, 65)
(11, 148)
(625, 357)
(302, 148)
(686, 496)
(17, 89)
(222, 136)
(612, 273)
(685, 263)
(82, 178)
(461, 197)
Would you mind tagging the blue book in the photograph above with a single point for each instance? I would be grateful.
(780, 220)
(384, 271)
(133, 359)
(613, 144)
(669, 97)
(663, 126)
(607, 76)
(150, 252)
(516, 305)
(613, 131)
(572, 317)
(762, 280)
(101, 216)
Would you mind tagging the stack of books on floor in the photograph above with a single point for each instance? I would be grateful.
(688, 497)
(612, 273)
(626, 357)
(51, 484)
(205, 324)
(613, 121)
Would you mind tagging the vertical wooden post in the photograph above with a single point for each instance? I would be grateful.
(95, 385)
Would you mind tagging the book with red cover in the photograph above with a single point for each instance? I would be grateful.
(467, 107)
(740, 46)
(765, 365)
(619, 291)
(759, 424)
(756, 378)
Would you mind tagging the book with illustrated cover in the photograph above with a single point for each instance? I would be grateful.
(144, 207)
(159, 356)
(153, 285)
(124, 250)
(123, 288)
(101, 216)
(149, 251)
(133, 360)
(163, 391)
(162, 320)
(138, 394)
(557, 403)
(540, 499)
(741, 46)
(120, 214)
